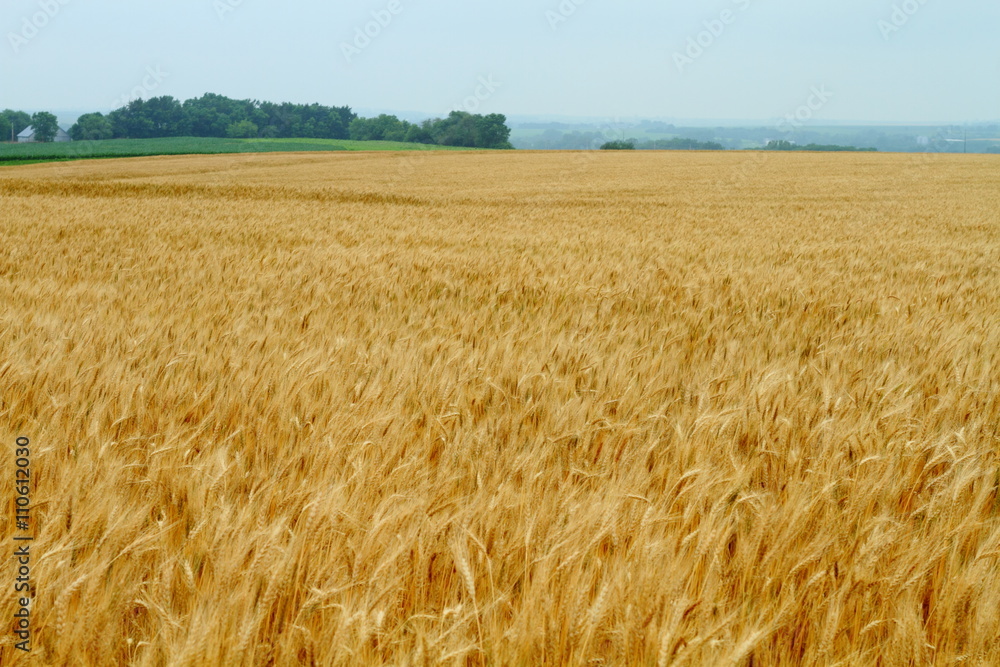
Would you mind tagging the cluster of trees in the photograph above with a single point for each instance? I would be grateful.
(782, 145)
(460, 128)
(214, 116)
(623, 145)
(219, 116)
(12, 122)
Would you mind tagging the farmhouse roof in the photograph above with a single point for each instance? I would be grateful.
(30, 130)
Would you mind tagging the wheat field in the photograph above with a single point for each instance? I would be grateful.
(505, 409)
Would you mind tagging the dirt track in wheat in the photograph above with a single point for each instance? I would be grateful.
(505, 409)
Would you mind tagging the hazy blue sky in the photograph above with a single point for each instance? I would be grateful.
(870, 60)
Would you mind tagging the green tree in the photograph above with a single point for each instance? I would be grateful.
(92, 126)
(458, 129)
(418, 134)
(492, 131)
(165, 115)
(361, 129)
(242, 130)
(211, 115)
(780, 145)
(382, 128)
(619, 145)
(46, 126)
(147, 119)
(12, 121)
(132, 121)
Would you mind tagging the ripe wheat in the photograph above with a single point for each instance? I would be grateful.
(506, 408)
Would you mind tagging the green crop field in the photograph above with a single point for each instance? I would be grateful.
(11, 154)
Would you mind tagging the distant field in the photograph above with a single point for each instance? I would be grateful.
(11, 154)
(505, 408)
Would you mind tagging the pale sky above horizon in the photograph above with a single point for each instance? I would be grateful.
(870, 60)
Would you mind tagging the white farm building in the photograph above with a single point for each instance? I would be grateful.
(27, 135)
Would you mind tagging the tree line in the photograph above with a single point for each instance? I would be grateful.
(675, 144)
(214, 115)
(682, 144)
(458, 129)
(783, 145)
